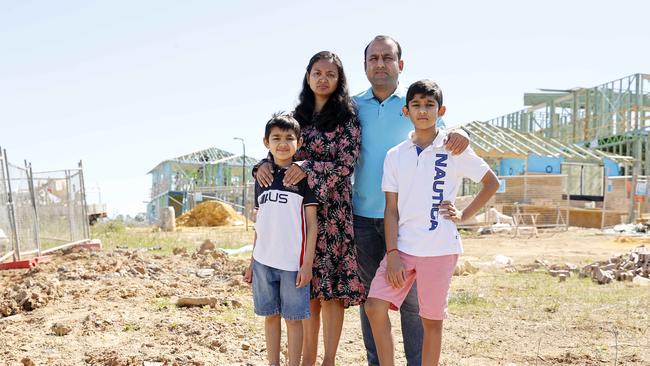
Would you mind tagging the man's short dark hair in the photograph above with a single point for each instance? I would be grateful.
(384, 38)
(426, 87)
(283, 121)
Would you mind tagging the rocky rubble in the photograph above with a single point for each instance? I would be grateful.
(26, 290)
(624, 267)
(32, 291)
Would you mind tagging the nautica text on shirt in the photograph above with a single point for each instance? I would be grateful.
(438, 189)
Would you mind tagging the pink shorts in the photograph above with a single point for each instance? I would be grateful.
(433, 276)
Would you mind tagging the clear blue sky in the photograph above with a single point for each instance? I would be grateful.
(123, 85)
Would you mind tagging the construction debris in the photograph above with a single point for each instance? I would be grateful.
(629, 229)
(167, 222)
(210, 213)
(207, 246)
(641, 281)
(501, 260)
(197, 301)
(624, 267)
(464, 269)
(61, 329)
(638, 240)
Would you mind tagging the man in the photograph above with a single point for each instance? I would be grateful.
(383, 126)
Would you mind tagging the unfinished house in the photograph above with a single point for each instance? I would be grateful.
(187, 180)
(596, 139)
(547, 182)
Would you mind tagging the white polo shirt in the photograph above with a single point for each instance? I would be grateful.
(280, 226)
(422, 182)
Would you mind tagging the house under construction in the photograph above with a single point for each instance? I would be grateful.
(585, 148)
(612, 117)
(184, 181)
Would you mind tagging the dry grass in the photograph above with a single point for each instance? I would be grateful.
(495, 317)
(165, 242)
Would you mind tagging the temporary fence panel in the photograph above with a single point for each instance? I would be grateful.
(584, 179)
(625, 195)
(231, 195)
(39, 211)
(531, 200)
(6, 231)
(26, 224)
(59, 201)
(543, 200)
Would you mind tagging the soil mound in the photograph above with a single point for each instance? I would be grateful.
(211, 213)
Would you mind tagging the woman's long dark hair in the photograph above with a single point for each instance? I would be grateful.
(339, 107)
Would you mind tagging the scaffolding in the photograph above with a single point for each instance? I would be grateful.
(613, 117)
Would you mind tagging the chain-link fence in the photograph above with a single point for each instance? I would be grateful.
(523, 200)
(60, 205)
(6, 232)
(183, 201)
(627, 197)
(40, 211)
(25, 219)
(233, 196)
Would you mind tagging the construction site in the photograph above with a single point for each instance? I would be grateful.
(575, 157)
(555, 269)
(210, 174)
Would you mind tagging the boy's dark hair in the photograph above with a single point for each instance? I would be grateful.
(426, 87)
(282, 121)
(382, 37)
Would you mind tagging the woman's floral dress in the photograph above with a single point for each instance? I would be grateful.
(329, 159)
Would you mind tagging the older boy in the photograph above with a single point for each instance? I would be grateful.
(420, 181)
(285, 239)
(382, 127)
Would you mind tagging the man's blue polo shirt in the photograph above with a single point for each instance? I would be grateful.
(383, 125)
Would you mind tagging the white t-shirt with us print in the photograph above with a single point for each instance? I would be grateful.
(422, 179)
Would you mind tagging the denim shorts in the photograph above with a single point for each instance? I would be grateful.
(275, 292)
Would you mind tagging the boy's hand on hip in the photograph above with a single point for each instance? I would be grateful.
(450, 212)
(304, 276)
(264, 174)
(293, 175)
(394, 270)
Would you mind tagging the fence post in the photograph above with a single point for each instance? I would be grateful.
(604, 210)
(567, 190)
(30, 184)
(245, 209)
(84, 208)
(12, 209)
(70, 208)
(631, 218)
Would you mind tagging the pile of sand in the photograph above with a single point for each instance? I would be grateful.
(210, 213)
(633, 239)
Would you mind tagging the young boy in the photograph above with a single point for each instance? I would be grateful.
(420, 181)
(285, 240)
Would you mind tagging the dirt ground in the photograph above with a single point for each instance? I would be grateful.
(117, 307)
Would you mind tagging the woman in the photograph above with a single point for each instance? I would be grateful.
(331, 135)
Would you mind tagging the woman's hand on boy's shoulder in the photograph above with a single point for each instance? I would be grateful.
(294, 174)
(264, 174)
